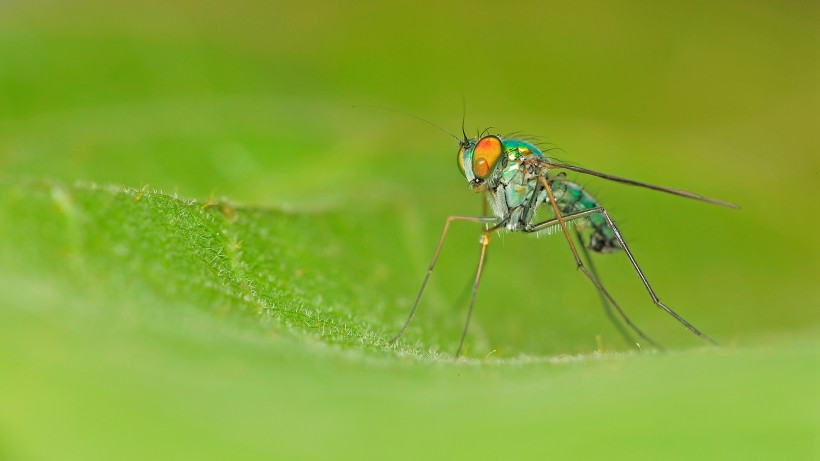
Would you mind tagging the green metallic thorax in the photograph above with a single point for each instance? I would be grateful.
(516, 196)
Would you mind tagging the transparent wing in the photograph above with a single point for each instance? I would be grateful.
(632, 182)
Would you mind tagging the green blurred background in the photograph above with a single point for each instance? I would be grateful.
(122, 336)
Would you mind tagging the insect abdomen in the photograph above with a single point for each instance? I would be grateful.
(572, 198)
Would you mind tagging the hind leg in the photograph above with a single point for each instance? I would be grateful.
(562, 222)
(603, 292)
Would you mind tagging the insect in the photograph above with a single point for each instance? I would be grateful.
(518, 180)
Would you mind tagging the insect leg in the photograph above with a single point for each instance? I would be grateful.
(646, 282)
(607, 307)
(601, 290)
(562, 222)
(485, 240)
(478, 219)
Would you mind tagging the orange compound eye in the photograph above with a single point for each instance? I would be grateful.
(485, 155)
(460, 161)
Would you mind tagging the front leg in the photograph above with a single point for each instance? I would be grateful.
(477, 219)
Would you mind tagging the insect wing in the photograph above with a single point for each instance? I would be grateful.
(632, 182)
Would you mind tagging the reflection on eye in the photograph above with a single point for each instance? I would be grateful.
(485, 155)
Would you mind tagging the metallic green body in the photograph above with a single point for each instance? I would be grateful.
(516, 195)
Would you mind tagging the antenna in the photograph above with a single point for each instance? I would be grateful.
(463, 116)
(406, 114)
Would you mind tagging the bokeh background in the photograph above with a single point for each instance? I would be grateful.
(115, 345)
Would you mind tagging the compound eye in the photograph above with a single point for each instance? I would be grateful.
(460, 161)
(485, 155)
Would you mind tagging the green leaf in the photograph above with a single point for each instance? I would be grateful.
(204, 249)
